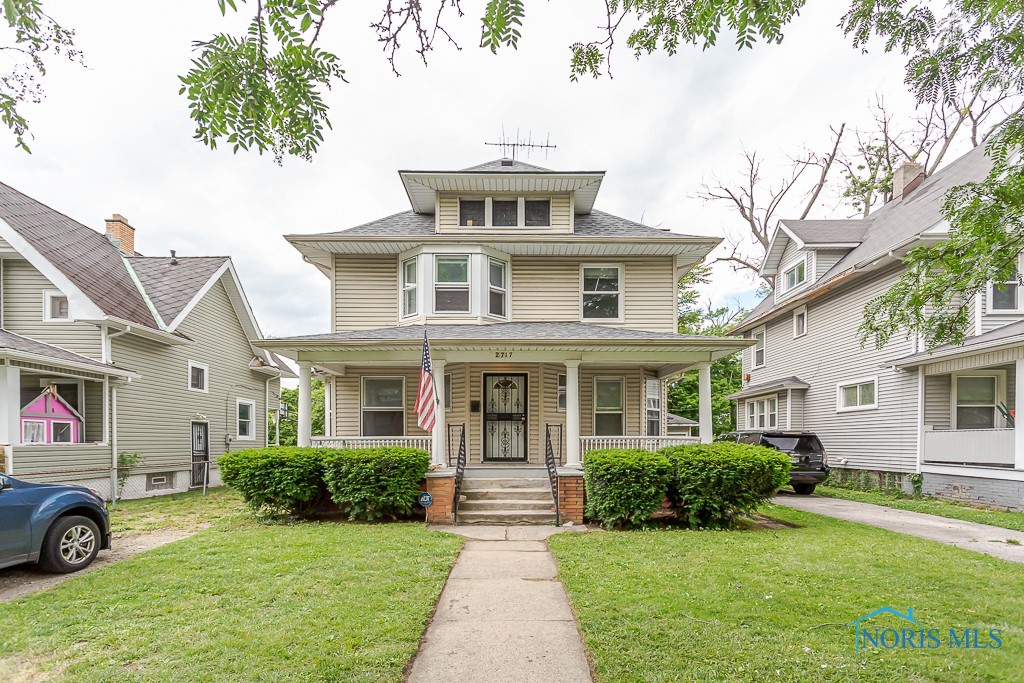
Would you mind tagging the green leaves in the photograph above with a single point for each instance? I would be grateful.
(624, 487)
(500, 22)
(276, 481)
(375, 483)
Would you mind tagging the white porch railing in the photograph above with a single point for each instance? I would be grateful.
(423, 442)
(970, 446)
(644, 443)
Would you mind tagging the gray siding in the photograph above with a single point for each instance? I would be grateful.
(23, 288)
(154, 413)
(936, 401)
(993, 321)
(780, 410)
(824, 259)
(829, 354)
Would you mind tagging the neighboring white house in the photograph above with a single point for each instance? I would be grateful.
(899, 409)
(149, 354)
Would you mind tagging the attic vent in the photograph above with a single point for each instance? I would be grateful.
(506, 162)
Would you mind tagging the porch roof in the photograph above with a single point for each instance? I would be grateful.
(774, 385)
(1002, 337)
(16, 347)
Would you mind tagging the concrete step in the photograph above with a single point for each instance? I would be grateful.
(481, 505)
(498, 471)
(504, 483)
(501, 517)
(502, 494)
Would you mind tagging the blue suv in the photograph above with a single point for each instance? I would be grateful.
(61, 527)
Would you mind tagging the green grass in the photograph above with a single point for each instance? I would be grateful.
(1001, 518)
(771, 605)
(190, 511)
(239, 602)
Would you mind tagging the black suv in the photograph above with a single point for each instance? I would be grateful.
(810, 463)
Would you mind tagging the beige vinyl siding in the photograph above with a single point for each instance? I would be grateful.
(365, 291)
(548, 289)
(634, 380)
(23, 288)
(154, 413)
(831, 354)
(347, 403)
(448, 212)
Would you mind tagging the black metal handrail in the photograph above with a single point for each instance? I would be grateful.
(552, 464)
(460, 469)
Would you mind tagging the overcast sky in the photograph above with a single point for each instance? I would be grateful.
(116, 137)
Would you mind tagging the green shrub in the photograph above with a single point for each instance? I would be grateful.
(713, 484)
(371, 483)
(278, 481)
(624, 487)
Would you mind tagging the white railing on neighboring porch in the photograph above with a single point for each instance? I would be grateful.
(970, 446)
(423, 442)
(644, 443)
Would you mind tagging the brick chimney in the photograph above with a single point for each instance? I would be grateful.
(905, 178)
(121, 234)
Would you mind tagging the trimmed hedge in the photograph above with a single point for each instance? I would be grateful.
(624, 487)
(371, 483)
(277, 481)
(713, 484)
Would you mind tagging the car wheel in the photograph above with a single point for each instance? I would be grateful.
(72, 543)
(804, 489)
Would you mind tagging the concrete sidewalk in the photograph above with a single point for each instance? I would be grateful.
(982, 538)
(503, 615)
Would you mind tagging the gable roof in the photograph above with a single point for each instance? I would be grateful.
(172, 286)
(80, 257)
(887, 234)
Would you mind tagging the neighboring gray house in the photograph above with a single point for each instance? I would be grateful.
(152, 354)
(898, 409)
(677, 425)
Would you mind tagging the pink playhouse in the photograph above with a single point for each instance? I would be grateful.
(49, 419)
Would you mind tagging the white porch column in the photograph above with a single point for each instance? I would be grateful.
(305, 416)
(1018, 432)
(572, 414)
(704, 396)
(10, 411)
(439, 453)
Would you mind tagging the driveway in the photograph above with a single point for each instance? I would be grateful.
(1005, 544)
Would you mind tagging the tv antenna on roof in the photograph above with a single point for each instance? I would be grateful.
(519, 144)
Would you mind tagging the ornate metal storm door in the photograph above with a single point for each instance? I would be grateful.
(505, 399)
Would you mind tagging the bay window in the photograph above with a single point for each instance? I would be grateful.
(451, 284)
(763, 413)
(601, 293)
(609, 402)
(409, 288)
(497, 289)
(382, 407)
(653, 400)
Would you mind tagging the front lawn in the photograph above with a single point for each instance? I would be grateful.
(931, 506)
(672, 605)
(190, 511)
(238, 602)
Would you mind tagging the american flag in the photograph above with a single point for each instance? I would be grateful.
(425, 395)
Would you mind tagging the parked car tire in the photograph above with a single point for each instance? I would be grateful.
(804, 489)
(71, 544)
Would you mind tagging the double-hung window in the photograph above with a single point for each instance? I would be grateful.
(246, 419)
(451, 284)
(602, 293)
(759, 343)
(1005, 297)
(653, 400)
(800, 322)
(609, 402)
(795, 275)
(497, 290)
(976, 400)
(382, 411)
(409, 288)
(860, 394)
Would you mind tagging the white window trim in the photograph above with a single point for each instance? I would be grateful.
(404, 287)
(763, 330)
(362, 400)
(622, 410)
(71, 423)
(647, 409)
(561, 389)
(28, 422)
(449, 398)
(504, 290)
(1000, 377)
(47, 296)
(758, 407)
(794, 264)
(252, 419)
(468, 285)
(852, 382)
(796, 312)
(206, 377)
(621, 293)
(488, 201)
(989, 310)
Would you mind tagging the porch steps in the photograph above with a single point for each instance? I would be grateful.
(512, 500)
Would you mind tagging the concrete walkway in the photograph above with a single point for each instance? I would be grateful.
(503, 615)
(982, 538)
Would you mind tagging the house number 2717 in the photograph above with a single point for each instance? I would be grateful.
(502, 354)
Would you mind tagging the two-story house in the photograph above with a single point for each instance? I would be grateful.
(546, 319)
(945, 414)
(105, 351)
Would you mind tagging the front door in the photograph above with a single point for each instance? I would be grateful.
(505, 399)
(200, 452)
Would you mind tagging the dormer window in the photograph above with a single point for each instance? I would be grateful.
(451, 284)
(538, 213)
(472, 213)
(795, 275)
(505, 212)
